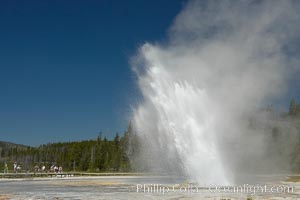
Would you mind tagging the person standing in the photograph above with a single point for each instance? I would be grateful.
(15, 167)
(43, 168)
(5, 168)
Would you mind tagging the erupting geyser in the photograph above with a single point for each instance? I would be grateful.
(202, 90)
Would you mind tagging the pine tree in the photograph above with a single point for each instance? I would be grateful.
(293, 108)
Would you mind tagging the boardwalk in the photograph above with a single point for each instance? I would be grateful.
(64, 174)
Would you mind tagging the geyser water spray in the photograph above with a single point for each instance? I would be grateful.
(224, 60)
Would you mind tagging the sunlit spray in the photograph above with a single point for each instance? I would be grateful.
(224, 60)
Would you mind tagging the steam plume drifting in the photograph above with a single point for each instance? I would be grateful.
(202, 90)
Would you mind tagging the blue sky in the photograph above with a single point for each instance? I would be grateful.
(64, 65)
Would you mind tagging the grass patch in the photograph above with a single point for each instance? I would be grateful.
(293, 179)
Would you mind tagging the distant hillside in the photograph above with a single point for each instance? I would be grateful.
(8, 148)
(10, 145)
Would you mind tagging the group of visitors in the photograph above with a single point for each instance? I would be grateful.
(52, 169)
(16, 167)
(56, 169)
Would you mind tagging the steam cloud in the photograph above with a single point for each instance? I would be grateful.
(203, 91)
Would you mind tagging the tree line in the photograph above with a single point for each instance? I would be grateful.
(96, 155)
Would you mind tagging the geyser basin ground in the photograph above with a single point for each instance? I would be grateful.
(125, 187)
